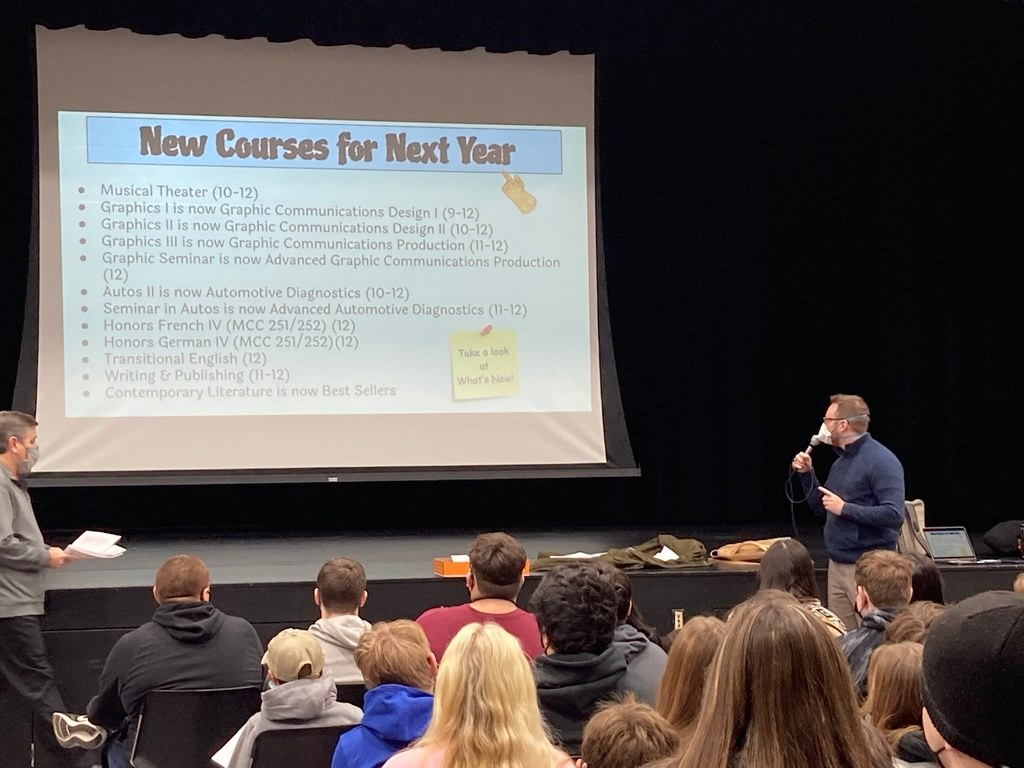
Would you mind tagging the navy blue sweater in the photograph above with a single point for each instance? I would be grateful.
(868, 477)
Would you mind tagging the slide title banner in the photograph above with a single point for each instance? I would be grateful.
(347, 146)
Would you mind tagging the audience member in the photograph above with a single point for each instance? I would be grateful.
(1018, 584)
(883, 580)
(682, 686)
(577, 612)
(779, 695)
(399, 669)
(645, 659)
(973, 675)
(626, 734)
(894, 700)
(189, 644)
(485, 709)
(496, 564)
(301, 695)
(788, 566)
(911, 624)
(926, 579)
(340, 592)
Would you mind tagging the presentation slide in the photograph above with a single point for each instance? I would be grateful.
(332, 268)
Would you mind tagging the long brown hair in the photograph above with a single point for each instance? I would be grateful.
(894, 690)
(779, 695)
(682, 684)
(787, 565)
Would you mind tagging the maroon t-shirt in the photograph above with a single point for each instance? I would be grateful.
(442, 624)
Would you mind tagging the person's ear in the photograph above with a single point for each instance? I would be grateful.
(432, 662)
(316, 595)
(861, 600)
(206, 595)
(629, 611)
(362, 598)
(470, 581)
(157, 599)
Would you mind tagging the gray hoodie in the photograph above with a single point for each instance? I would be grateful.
(339, 636)
(645, 663)
(298, 704)
(23, 555)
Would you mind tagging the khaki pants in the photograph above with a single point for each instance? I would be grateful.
(842, 593)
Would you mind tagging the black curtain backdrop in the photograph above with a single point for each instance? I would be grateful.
(798, 198)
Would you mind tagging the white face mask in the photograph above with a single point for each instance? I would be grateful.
(824, 435)
(31, 457)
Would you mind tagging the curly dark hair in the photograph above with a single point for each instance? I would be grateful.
(576, 608)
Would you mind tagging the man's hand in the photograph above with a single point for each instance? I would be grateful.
(58, 557)
(830, 501)
(802, 462)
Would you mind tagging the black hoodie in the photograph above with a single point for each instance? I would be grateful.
(571, 685)
(185, 646)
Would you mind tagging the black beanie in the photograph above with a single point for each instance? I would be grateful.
(974, 677)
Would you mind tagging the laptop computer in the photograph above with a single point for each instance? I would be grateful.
(949, 545)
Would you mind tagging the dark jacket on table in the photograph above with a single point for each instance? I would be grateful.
(186, 646)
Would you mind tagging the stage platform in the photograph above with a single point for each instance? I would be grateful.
(268, 579)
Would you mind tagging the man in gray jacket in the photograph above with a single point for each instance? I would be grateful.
(340, 592)
(24, 558)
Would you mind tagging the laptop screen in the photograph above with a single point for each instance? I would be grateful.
(949, 543)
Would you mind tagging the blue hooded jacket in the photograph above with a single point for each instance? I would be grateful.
(393, 716)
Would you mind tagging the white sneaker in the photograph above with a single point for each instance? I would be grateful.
(77, 731)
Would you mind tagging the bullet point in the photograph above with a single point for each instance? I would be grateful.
(85, 342)
(81, 206)
(85, 359)
(85, 376)
(81, 190)
(82, 257)
(85, 308)
(85, 292)
(85, 326)
(81, 223)
(81, 241)
(86, 393)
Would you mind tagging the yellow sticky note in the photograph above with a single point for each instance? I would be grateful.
(485, 363)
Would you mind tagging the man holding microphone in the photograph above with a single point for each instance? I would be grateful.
(862, 498)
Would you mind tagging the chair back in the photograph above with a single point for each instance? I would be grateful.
(296, 746)
(352, 693)
(182, 729)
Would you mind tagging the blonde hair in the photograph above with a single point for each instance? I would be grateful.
(682, 684)
(894, 690)
(777, 673)
(485, 704)
(395, 652)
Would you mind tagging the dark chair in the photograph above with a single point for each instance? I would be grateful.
(182, 729)
(296, 746)
(352, 693)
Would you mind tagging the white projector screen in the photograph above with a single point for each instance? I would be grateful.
(260, 256)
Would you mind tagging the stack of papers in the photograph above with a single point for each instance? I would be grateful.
(95, 544)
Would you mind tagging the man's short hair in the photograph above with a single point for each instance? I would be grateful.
(576, 608)
(14, 424)
(853, 409)
(395, 652)
(497, 561)
(342, 582)
(886, 576)
(626, 734)
(181, 578)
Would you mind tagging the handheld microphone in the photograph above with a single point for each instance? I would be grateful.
(815, 440)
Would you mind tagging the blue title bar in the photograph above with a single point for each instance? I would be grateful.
(341, 146)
